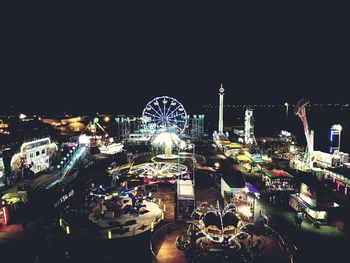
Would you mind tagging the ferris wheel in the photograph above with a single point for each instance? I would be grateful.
(165, 112)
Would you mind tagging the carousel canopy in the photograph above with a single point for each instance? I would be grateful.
(278, 174)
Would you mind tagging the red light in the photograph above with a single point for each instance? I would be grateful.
(4, 212)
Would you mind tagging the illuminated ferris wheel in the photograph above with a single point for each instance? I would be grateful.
(165, 112)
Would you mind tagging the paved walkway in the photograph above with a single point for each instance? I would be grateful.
(42, 179)
(168, 196)
(168, 252)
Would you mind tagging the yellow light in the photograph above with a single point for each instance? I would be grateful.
(67, 230)
(152, 226)
(109, 234)
(106, 119)
(61, 222)
(164, 208)
(244, 210)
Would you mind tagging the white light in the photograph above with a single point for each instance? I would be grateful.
(167, 139)
(337, 127)
(217, 165)
(22, 116)
(84, 139)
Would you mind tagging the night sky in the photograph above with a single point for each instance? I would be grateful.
(117, 58)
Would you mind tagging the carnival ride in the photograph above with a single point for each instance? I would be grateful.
(100, 138)
(300, 111)
(165, 113)
(64, 174)
(122, 212)
(210, 230)
(150, 173)
(168, 140)
(159, 170)
(222, 236)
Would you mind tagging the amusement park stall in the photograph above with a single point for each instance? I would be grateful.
(278, 181)
(312, 199)
(185, 199)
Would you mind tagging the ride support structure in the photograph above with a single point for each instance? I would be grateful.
(300, 111)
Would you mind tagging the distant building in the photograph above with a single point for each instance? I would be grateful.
(196, 128)
(328, 160)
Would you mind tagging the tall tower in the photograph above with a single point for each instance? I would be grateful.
(221, 109)
(300, 111)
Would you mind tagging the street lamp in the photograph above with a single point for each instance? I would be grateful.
(263, 147)
(286, 105)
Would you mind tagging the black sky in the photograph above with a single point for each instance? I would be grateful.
(117, 58)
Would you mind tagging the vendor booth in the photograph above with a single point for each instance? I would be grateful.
(278, 181)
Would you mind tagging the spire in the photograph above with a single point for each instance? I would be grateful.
(221, 90)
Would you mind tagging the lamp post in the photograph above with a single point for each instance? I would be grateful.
(194, 164)
(286, 105)
(262, 152)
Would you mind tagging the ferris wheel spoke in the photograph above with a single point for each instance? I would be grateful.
(167, 112)
(164, 102)
(155, 111)
(160, 110)
(158, 122)
(152, 115)
(175, 110)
